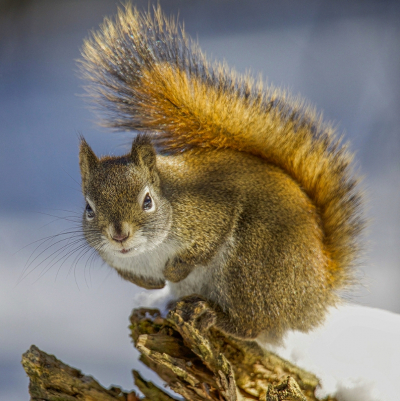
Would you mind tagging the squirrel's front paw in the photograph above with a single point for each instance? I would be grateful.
(196, 310)
(176, 270)
(149, 284)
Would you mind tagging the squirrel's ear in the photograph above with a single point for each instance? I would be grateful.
(143, 153)
(87, 161)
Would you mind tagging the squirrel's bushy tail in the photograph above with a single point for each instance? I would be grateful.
(151, 77)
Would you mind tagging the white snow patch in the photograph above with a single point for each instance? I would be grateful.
(157, 299)
(356, 353)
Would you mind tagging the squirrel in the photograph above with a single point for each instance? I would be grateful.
(239, 196)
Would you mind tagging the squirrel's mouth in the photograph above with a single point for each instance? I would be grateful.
(125, 250)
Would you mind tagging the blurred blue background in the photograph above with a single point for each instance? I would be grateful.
(344, 57)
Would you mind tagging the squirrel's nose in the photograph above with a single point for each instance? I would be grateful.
(120, 237)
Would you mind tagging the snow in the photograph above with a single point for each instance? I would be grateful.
(356, 353)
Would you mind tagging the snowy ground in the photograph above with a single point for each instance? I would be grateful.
(356, 354)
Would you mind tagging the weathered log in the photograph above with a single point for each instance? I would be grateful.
(199, 366)
(213, 366)
(53, 380)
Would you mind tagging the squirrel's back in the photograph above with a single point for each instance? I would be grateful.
(152, 78)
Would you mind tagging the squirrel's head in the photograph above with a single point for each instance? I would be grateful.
(125, 211)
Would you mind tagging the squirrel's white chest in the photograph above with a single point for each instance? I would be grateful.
(199, 281)
(151, 264)
(148, 264)
(202, 280)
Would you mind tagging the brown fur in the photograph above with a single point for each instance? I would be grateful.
(283, 200)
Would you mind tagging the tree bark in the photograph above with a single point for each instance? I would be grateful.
(198, 366)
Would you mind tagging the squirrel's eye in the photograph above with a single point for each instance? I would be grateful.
(147, 203)
(89, 211)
